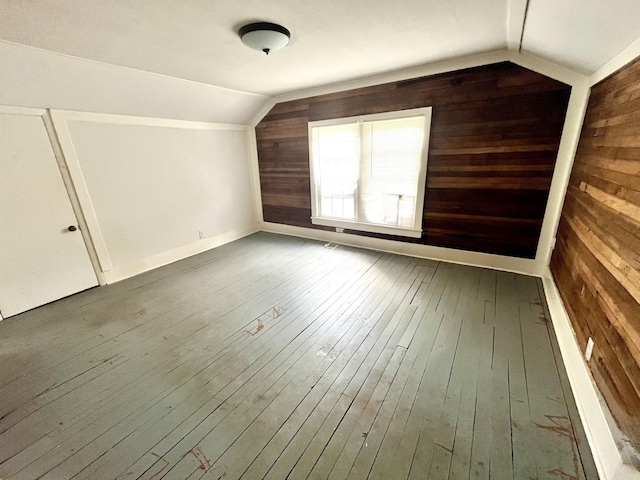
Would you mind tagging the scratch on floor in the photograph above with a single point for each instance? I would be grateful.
(277, 311)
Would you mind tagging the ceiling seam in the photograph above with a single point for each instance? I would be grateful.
(524, 23)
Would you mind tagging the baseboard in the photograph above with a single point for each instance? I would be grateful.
(603, 447)
(120, 273)
(475, 259)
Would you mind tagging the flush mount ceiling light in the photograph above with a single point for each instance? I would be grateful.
(265, 37)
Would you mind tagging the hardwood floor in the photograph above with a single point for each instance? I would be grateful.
(276, 357)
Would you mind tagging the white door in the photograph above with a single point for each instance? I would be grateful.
(41, 258)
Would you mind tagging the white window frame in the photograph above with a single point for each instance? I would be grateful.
(416, 230)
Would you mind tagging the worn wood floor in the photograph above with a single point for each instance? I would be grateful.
(276, 357)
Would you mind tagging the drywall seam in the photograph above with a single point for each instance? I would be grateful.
(516, 17)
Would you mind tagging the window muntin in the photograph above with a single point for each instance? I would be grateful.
(368, 173)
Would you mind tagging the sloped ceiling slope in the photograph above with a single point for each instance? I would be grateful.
(581, 34)
(332, 40)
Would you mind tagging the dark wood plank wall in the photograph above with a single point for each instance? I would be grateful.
(494, 140)
(596, 262)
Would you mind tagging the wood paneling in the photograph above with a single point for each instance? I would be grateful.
(596, 263)
(494, 140)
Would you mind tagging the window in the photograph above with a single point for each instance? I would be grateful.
(368, 173)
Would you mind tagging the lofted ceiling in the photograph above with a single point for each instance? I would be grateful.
(332, 40)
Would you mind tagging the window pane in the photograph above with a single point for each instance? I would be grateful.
(336, 151)
(389, 169)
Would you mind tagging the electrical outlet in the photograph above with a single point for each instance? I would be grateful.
(339, 230)
(589, 350)
(201, 233)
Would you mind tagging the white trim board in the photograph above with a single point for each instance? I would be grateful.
(59, 119)
(9, 110)
(603, 447)
(73, 196)
(625, 57)
(527, 60)
(569, 140)
(110, 118)
(252, 149)
(170, 256)
(474, 259)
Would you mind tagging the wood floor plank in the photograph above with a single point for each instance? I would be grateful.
(276, 357)
(93, 427)
(357, 327)
(148, 438)
(273, 390)
(82, 397)
(300, 327)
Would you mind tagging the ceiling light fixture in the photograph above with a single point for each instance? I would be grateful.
(265, 37)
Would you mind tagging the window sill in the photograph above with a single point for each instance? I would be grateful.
(367, 227)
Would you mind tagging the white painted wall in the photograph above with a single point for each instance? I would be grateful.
(31, 77)
(151, 188)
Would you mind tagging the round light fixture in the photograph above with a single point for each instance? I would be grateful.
(265, 37)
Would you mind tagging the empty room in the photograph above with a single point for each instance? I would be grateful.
(326, 240)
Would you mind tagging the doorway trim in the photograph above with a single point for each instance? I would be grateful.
(67, 180)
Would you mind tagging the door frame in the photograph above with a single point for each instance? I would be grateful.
(67, 180)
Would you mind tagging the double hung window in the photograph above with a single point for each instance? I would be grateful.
(368, 173)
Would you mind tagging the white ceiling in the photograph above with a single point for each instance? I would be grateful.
(581, 34)
(332, 40)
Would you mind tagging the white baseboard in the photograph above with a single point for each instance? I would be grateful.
(475, 259)
(603, 446)
(120, 273)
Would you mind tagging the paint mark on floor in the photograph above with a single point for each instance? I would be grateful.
(258, 328)
(557, 426)
(166, 464)
(562, 474)
(204, 462)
